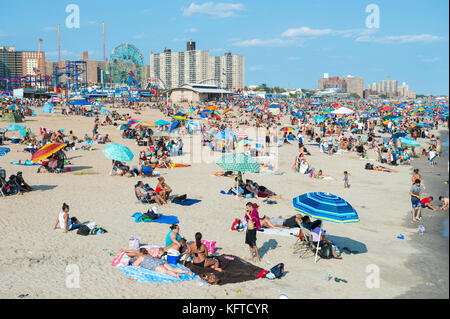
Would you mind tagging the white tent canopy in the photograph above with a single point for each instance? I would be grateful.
(343, 110)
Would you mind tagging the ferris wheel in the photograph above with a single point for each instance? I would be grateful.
(126, 66)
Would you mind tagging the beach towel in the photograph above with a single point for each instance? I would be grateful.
(27, 163)
(280, 231)
(144, 275)
(188, 202)
(273, 173)
(173, 165)
(235, 270)
(162, 219)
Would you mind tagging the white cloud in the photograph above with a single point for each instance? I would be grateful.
(257, 68)
(419, 38)
(430, 60)
(220, 10)
(139, 36)
(305, 31)
(191, 30)
(258, 42)
(49, 29)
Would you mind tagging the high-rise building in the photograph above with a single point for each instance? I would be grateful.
(30, 62)
(195, 66)
(92, 68)
(10, 62)
(349, 84)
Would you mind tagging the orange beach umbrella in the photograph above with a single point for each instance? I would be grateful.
(46, 151)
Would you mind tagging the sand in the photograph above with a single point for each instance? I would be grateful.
(36, 260)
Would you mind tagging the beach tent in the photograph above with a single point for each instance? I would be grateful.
(343, 111)
(47, 108)
(326, 207)
(174, 126)
(409, 141)
(15, 127)
(12, 117)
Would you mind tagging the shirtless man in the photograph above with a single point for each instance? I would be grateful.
(445, 201)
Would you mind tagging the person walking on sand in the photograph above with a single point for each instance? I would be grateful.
(346, 184)
(253, 224)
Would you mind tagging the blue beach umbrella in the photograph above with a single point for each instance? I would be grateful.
(15, 127)
(162, 123)
(325, 206)
(118, 152)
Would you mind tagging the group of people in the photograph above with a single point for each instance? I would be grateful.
(159, 195)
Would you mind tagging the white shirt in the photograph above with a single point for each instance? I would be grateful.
(62, 222)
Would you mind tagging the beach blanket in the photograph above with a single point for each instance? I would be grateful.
(173, 165)
(273, 173)
(27, 163)
(144, 275)
(162, 219)
(188, 202)
(235, 270)
(280, 231)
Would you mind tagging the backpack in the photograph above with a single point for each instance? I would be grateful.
(151, 214)
(179, 198)
(325, 251)
(83, 230)
(277, 270)
(236, 224)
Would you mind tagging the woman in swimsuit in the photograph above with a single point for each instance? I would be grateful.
(200, 252)
(163, 189)
(145, 260)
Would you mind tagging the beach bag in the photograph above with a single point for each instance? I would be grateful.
(133, 243)
(121, 260)
(210, 245)
(151, 214)
(83, 230)
(303, 168)
(179, 198)
(236, 224)
(277, 270)
(325, 251)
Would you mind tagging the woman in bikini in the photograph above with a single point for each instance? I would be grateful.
(163, 189)
(200, 252)
(145, 260)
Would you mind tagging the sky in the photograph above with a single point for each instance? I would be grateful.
(289, 43)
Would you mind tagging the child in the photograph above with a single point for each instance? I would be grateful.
(346, 184)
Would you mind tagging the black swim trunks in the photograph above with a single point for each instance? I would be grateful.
(250, 237)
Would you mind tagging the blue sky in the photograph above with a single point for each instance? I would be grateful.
(289, 43)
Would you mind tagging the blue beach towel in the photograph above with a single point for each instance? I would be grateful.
(188, 202)
(145, 275)
(163, 219)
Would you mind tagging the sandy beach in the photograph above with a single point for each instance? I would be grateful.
(35, 257)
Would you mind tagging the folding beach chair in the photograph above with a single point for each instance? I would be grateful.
(3, 182)
(143, 200)
(309, 247)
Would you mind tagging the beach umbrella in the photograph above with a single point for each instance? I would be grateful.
(118, 152)
(325, 206)
(46, 151)
(274, 106)
(423, 124)
(409, 141)
(15, 127)
(210, 108)
(123, 127)
(132, 122)
(14, 107)
(240, 134)
(239, 162)
(162, 123)
(103, 111)
(4, 151)
(319, 119)
(79, 102)
(286, 129)
(179, 117)
(342, 111)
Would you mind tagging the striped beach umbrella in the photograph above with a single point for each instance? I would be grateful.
(409, 141)
(325, 206)
(239, 162)
(46, 151)
(118, 152)
(286, 129)
(14, 107)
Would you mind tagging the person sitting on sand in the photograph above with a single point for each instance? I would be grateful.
(150, 195)
(145, 260)
(200, 252)
(65, 222)
(426, 203)
(163, 189)
(21, 182)
(316, 229)
(445, 202)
